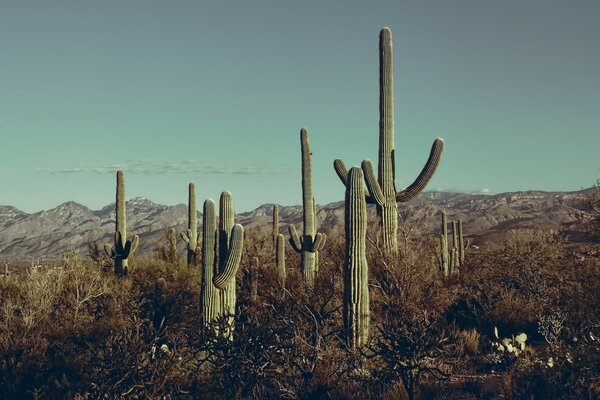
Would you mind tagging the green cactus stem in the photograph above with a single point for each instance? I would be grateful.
(462, 245)
(280, 259)
(311, 242)
(209, 295)
(122, 248)
(191, 236)
(356, 269)
(382, 191)
(444, 246)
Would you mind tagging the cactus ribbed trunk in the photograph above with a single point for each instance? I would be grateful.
(226, 223)
(356, 270)
(461, 243)
(191, 237)
(209, 294)
(280, 259)
(388, 210)
(121, 264)
(444, 245)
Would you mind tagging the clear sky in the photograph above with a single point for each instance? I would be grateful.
(216, 93)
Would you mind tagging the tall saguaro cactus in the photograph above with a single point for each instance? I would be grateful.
(218, 274)
(191, 236)
(275, 231)
(356, 269)
(311, 242)
(123, 247)
(382, 191)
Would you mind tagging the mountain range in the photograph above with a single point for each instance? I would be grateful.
(47, 234)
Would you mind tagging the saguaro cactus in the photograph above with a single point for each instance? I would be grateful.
(218, 275)
(444, 246)
(382, 191)
(122, 248)
(311, 242)
(280, 259)
(356, 269)
(191, 236)
(275, 231)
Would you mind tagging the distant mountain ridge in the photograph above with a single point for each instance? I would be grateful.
(47, 234)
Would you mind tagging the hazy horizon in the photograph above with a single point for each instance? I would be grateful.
(216, 94)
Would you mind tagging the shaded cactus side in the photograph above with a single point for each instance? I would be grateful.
(356, 269)
(382, 191)
(191, 236)
(209, 294)
(123, 247)
(280, 259)
(311, 242)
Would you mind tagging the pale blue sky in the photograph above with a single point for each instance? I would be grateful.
(216, 93)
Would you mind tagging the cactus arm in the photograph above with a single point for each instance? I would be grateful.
(295, 239)
(341, 170)
(134, 244)
(234, 255)
(186, 237)
(373, 187)
(323, 241)
(426, 173)
(317, 243)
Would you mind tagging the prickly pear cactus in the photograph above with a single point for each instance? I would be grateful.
(123, 247)
(356, 269)
(191, 236)
(382, 191)
(311, 242)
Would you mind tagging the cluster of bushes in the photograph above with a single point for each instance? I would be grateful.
(74, 330)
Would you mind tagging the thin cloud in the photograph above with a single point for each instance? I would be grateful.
(152, 167)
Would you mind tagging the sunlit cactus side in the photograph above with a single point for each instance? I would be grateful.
(356, 269)
(444, 256)
(209, 294)
(382, 191)
(191, 236)
(311, 242)
(231, 238)
(280, 259)
(123, 247)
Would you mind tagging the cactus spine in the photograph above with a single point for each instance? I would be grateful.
(356, 269)
(311, 242)
(122, 248)
(382, 191)
(218, 275)
(280, 259)
(191, 236)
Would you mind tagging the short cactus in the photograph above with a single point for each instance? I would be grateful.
(382, 191)
(191, 236)
(451, 258)
(122, 248)
(311, 242)
(356, 269)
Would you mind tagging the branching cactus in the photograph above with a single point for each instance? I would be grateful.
(382, 191)
(218, 274)
(280, 259)
(356, 269)
(122, 248)
(191, 236)
(311, 242)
